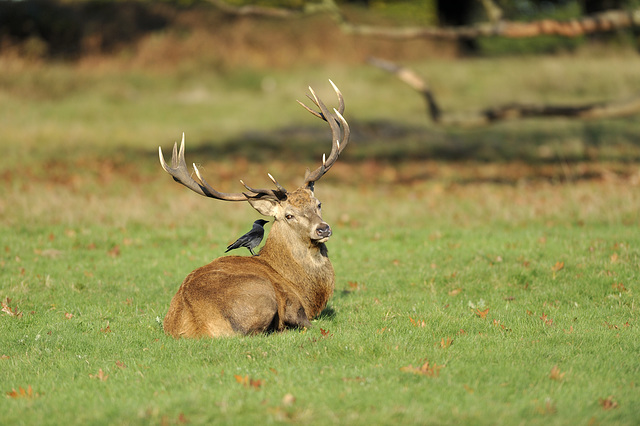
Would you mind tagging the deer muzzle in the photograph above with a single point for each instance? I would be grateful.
(323, 231)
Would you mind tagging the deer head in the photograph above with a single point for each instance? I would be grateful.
(278, 203)
(294, 258)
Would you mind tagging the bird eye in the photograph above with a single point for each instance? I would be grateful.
(289, 216)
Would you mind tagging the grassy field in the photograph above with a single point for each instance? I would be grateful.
(482, 276)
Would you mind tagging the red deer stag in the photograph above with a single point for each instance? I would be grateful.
(291, 279)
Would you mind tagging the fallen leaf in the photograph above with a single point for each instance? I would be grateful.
(355, 286)
(546, 320)
(559, 266)
(614, 257)
(288, 400)
(242, 380)
(556, 374)
(455, 292)
(325, 333)
(446, 343)
(67, 315)
(248, 382)
(426, 369)
(482, 314)
(100, 376)
(619, 287)
(255, 383)
(115, 251)
(608, 403)
(121, 364)
(22, 393)
(6, 308)
(417, 323)
(498, 324)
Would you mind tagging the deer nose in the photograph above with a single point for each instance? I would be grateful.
(323, 230)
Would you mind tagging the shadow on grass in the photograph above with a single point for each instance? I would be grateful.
(523, 150)
(327, 313)
(392, 142)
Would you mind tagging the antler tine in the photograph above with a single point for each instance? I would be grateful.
(278, 194)
(317, 114)
(340, 97)
(275, 182)
(339, 132)
(180, 174)
(346, 131)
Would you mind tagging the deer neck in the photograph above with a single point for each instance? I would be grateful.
(304, 265)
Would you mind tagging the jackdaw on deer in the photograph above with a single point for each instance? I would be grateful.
(251, 239)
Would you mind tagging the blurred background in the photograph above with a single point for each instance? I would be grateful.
(441, 91)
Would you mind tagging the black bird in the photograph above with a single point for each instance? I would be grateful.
(251, 239)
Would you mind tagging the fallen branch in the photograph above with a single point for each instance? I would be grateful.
(599, 22)
(512, 111)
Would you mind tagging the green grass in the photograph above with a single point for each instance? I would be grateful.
(399, 295)
(96, 240)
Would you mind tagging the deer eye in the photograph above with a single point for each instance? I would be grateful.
(319, 206)
(289, 216)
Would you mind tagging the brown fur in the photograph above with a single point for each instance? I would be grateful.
(286, 285)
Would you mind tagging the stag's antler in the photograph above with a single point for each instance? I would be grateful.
(180, 173)
(339, 133)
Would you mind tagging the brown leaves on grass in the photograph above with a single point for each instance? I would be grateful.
(548, 321)
(114, 251)
(7, 309)
(23, 393)
(608, 403)
(498, 323)
(355, 286)
(445, 342)
(248, 382)
(455, 292)
(556, 374)
(482, 314)
(559, 266)
(100, 376)
(619, 287)
(427, 369)
(417, 323)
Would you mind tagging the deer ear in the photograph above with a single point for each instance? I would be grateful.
(265, 206)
